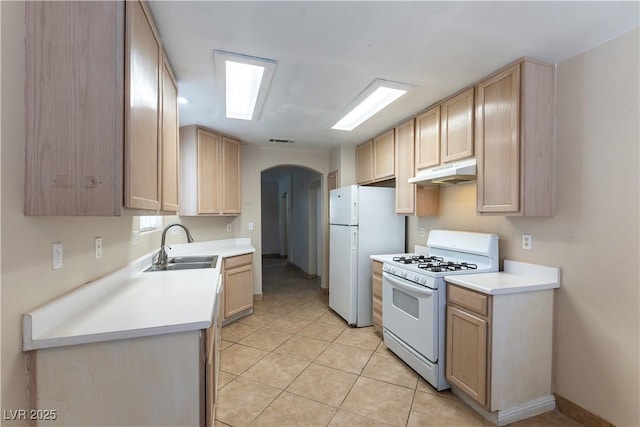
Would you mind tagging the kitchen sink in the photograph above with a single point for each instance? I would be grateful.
(185, 263)
(190, 259)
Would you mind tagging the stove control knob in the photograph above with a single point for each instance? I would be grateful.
(423, 280)
(404, 273)
(416, 278)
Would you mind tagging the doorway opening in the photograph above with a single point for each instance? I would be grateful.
(291, 214)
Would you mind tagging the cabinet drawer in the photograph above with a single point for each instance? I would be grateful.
(376, 266)
(377, 320)
(468, 299)
(237, 261)
(377, 288)
(377, 306)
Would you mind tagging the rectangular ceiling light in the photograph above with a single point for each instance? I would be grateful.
(242, 82)
(372, 100)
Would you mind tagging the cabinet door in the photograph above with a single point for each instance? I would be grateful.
(405, 192)
(498, 142)
(231, 199)
(170, 159)
(428, 138)
(208, 154)
(142, 89)
(74, 105)
(457, 127)
(364, 163)
(238, 292)
(466, 354)
(384, 156)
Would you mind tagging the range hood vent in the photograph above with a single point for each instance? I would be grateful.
(450, 173)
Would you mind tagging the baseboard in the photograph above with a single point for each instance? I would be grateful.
(580, 414)
(257, 297)
(507, 416)
(526, 410)
(301, 271)
(271, 256)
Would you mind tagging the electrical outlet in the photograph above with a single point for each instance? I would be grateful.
(176, 231)
(57, 256)
(229, 227)
(97, 243)
(422, 232)
(250, 226)
(527, 242)
(135, 238)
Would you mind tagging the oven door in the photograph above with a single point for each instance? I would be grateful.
(410, 312)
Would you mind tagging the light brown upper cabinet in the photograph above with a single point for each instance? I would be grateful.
(231, 199)
(209, 173)
(456, 128)
(384, 156)
(169, 152)
(514, 137)
(142, 109)
(364, 163)
(92, 78)
(405, 192)
(375, 159)
(428, 138)
(74, 108)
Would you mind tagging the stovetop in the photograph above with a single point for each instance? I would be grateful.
(447, 252)
(430, 270)
(434, 264)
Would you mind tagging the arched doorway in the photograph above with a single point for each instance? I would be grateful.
(291, 214)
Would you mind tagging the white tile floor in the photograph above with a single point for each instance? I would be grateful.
(296, 363)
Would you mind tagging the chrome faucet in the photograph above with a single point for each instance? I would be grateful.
(162, 255)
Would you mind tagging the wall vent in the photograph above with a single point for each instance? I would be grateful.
(282, 141)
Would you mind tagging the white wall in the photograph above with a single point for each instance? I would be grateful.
(256, 159)
(595, 235)
(343, 159)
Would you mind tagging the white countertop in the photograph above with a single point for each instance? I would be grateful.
(131, 303)
(516, 277)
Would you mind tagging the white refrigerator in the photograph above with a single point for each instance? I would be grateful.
(363, 222)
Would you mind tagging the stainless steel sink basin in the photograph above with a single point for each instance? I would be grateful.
(189, 259)
(185, 263)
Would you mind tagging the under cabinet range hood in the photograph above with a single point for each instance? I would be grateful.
(450, 173)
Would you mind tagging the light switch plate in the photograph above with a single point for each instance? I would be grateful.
(57, 256)
(97, 243)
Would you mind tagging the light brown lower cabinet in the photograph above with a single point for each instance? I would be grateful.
(468, 341)
(149, 381)
(238, 287)
(499, 351)
(376, 281)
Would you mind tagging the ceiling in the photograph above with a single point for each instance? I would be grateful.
(327, 52)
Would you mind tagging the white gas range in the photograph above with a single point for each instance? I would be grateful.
(414, 296)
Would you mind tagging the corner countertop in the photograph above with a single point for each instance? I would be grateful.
(130, 303)
(516, 277)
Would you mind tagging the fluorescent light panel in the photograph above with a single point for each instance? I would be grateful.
(372, 100)
(243, 82)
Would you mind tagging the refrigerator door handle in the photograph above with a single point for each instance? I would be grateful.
(355, 240)
(354, 212)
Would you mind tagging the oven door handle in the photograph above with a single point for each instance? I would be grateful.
(399, 283)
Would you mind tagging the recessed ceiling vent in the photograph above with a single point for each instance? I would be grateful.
(282, 141)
